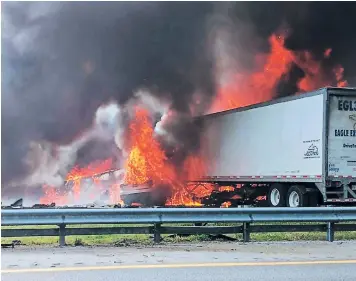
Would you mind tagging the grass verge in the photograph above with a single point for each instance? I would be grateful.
(123, 240)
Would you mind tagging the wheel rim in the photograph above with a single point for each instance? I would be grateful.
(275, 197)
(294, 200)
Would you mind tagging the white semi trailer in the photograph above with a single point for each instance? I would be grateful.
(297, 151)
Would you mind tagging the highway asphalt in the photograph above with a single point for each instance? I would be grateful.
(206, 272)
(205, 261)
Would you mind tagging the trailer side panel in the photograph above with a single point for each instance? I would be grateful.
(279, 141)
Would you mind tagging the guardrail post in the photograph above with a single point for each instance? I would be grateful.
(246, 232)
(330, 232)
(156, 233)
(62, 235)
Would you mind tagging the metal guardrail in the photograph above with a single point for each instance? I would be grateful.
(331, 216)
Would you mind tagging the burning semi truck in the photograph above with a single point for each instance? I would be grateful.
(296, 151)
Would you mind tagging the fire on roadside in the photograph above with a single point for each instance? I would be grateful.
(147, 161)
(75, 178)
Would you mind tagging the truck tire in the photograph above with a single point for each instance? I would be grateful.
(277, 195)
(297, 196)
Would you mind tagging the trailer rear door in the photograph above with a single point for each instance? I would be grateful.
(342, 133)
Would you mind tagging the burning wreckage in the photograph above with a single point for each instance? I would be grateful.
(272, 173)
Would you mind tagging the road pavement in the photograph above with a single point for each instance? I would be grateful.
(204, 261)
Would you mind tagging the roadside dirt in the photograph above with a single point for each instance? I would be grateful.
(33, 257)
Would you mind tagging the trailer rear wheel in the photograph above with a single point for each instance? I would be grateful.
(277, 195)
(297, 197)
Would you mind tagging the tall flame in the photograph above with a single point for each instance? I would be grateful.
(146, 160)
(246, 89)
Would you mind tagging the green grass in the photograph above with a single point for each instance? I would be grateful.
(112, 239)
(122, 240)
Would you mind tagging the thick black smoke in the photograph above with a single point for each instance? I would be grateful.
(62, 60)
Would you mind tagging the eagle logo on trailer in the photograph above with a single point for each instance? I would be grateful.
(312, 152)
(352, 117)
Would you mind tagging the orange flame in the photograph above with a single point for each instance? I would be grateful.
(315, 76)
(194, 167)
(226, 204)
(188, 195)
(77, 173)
(93, 169)
(327, 53)
(339, 74)
(52, 195)
(226, 188)
(260, 86)
(147, 160)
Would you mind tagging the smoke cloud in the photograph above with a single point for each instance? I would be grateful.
(63, 60)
